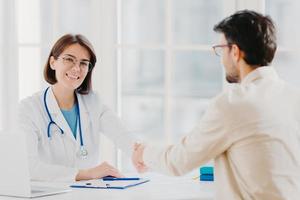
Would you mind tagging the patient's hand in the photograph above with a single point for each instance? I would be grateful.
(137, 158)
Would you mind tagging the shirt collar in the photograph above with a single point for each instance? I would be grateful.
(258, 73)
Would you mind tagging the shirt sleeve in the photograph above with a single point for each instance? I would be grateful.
(207, 140)
(40, 171)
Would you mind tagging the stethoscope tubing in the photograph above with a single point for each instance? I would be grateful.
(53, 122)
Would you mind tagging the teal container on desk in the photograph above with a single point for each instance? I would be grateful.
(206, 173)
(206, 177)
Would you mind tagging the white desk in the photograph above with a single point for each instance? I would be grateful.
(160, 187)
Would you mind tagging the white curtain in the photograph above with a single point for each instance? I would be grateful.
(8, 64)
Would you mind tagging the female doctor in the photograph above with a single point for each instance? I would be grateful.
(62, 122)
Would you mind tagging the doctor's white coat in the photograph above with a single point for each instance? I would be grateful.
(56, 158)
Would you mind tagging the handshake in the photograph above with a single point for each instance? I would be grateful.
(137, 158)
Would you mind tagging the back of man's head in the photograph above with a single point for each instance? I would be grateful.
(253, 33)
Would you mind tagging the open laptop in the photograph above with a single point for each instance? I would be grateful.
(14, 168)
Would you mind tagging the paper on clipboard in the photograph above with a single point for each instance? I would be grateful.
(100, 184)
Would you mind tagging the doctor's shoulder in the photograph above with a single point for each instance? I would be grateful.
(93, 102)
(32, 103)
(30, 108)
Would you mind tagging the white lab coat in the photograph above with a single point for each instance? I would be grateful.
(56, 159)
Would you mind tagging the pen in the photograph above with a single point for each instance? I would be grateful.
(120, 179)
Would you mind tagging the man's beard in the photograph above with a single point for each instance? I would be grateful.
(233, 78)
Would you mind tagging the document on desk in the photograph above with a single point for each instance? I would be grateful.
(110, 184)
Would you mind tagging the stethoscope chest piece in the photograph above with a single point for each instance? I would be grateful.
(82, 153)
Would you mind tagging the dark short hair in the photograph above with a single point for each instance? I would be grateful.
(61, 44)
(253, 33)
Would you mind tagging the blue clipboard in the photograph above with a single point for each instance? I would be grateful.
(110, 184)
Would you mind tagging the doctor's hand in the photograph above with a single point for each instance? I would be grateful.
(137, 158)
(104, 169)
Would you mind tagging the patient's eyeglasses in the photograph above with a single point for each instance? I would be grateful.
(218, 49)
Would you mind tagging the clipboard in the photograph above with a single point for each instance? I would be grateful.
(109, 184)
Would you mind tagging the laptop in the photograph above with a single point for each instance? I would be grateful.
(14, 169)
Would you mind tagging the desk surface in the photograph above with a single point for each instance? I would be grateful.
(160, 187)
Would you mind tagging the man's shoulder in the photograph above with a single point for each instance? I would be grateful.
(257, 96)
(233, 97)
(228, 95)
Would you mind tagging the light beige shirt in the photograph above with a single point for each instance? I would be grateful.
(252, 131)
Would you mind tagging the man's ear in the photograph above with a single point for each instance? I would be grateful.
(236, 52)
(51, 62)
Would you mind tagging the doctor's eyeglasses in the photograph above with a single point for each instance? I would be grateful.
(70, 61)
(218, 49)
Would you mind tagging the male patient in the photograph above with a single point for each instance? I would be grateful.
(251, 130)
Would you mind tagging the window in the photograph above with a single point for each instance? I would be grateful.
(286, 61)
(167, 69)
(159, 52)
(29, 46)
(40, 24)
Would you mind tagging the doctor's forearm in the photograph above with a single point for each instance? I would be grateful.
(83, 174)
(104, 169)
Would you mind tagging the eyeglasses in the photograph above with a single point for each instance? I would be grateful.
(70, 62)
(218, 49)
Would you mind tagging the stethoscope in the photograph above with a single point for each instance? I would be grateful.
(82, 151)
